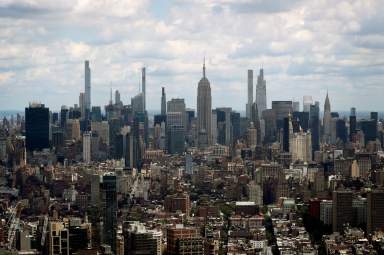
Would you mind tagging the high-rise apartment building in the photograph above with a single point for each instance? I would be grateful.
(82, 104)
(250, 94)
(87, 86)
(261, 92)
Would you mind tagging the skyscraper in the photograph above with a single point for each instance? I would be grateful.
(224, 127)
(282, 110)
(250, 94)
(314, 125)
(109, 210)
(300, 144)
(37, 127)
(352, 126)
(82, 104)
(163, 102)
(327, 120)
(87, 86)
(204, 111)
(341, 130)
(307, 102)
(178, 105)
(87, 147)
(117, 97)
(143, 80)
(375, 212)
(296, 106)
(175, 133)
(261, 93)
(369, 128)
(137, 103)
(342, 209)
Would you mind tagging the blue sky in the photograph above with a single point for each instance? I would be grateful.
(305, 47)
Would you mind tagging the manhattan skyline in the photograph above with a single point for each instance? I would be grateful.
(304, 49)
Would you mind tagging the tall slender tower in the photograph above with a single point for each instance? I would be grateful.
(204, 111)
(261, 93)
(327, 119)
(87, 85)
(143, 86)
(250, 94)
(163, 102)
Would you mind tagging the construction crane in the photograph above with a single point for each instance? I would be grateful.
(14, 222)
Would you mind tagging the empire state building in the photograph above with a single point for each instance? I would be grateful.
(204, 111)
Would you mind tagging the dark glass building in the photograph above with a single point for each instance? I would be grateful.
(282, 109)
(369, 128)
(286, 135)
(158, 119)
(96, 113)
(109, 210)
(341, 130)
(352, 126)
(375, 116)
(302, 118)
(37, 127)
(314, 125)
(63, 117)
(235, 121)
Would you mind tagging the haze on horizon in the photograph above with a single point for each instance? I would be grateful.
(305, 48)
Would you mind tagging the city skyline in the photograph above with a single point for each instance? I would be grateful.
(304, 49)
(194, 127)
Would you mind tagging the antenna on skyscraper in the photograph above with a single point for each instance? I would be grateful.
(110, 96)
(204, 67)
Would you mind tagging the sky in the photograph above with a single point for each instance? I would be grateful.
(306, 47)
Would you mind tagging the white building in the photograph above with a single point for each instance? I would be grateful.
(300, 144)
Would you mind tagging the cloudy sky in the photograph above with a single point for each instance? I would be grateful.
(305, 47)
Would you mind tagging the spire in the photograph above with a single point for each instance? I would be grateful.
(110, 95)
(204, 68)
(290, 126)
(327, 104)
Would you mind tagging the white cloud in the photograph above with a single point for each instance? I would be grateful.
(305, 47)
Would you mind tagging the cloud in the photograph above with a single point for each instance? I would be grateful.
(305, 47)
